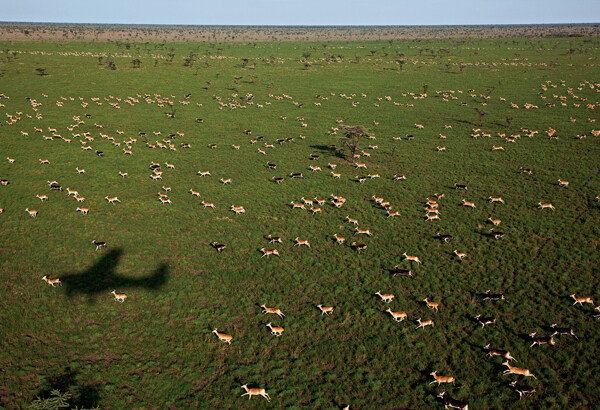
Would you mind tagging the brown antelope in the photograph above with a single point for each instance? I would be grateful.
(359, 246)
(360, 165)
(10, 160)
(411, 258)
(430, 217)
(226, 181)
(582, 300)
(422, 324)
(236, 147)
(32, 213)
(274, 311)
(352, 220)
(255, 392)
(319, 201)
(296, 205)
(439, 149)
(314, 168)
(397, 316)
(431, 305)
(165, 200)
(358, 231)
(222, 336)
(544, 206)
(195, 193)
(395, 213)
(275, 331)
(461, 255)
(204, 173)
(332, 166)
(563, 183)
(52, 282)
(112, 200)
(268, 252)
(127, 151)
(397, 177)
(273, 239)
(516, 370)
(335, 175)
(496, 222)
(495, 352)
(315, 210)
(208, 204)
(170, 166)
(441, 379)
(325, 310)
(238, 209)
(468, 203)
(307, 202)
(386, 298)
(496, 199)
(84, 211)
(497, 148)
(119, 297)
(339, 239)
(377, 200)
(42, 197)
(301, 242)
(72, 192)
(44, 161)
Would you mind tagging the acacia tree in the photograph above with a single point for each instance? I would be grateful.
(350, 143)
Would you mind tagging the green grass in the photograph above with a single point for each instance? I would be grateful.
(157, 349)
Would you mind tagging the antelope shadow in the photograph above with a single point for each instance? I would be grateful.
(101, 278)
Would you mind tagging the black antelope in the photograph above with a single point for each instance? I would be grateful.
(541, 340)
(496, 352)
(562, 331)
(219, 247)
(452, 403)
(524, 391)
(99, 244)
(493, 296)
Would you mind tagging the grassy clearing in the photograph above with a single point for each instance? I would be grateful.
(157, 349)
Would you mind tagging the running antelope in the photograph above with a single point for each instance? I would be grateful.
(112, 200)
(219, 247)
(325, 310)
(516, 370)
(301, 242)
(522, 390)
(352, 220)
(496, 199)
(52, 282)
(560, 331)
(339, 239)
(273, 239)
(255, 392)
(359, 246)
(42, 197)
(541, 340)
(431, 305)
(275, 331)
(32, 213)
(452, 403)
(44, 161)
(119, 297)
(170, 166)
(386, 298)
(360, 165)
(195, 193)
(495, 352)
(226, 181)
(10, 160)
(425, 323)
(307, 202)
(84, 211)
(411, 258)
(544, 206)
(484, 321)
(222, 336)
(496, 222)
(497, 148)
(99, 244)
(72, 192)
(80, 170)
(430, 217)
(296, 205)
(395, 213)
(268, 252)
(274, 311)
(238, 209)
(582, 300)
(563, 183)
(362, 231)
(445, 238)
(208, 204)
(441, 379)
(461, 255)
(467, 203)
(397, 316)
(204, 173)
(336, 175)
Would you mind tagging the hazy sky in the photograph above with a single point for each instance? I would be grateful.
(303, 12)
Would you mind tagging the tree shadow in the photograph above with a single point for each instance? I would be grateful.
(84, 395)
(101, 278)
(329, 149)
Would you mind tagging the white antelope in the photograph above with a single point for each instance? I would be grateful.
(112, 200)
(32, 213)
(582, 300)
(516, 370)
(441, 379)
(411, 258)
(431, 305)
(84, 211)
(386, 298)
(461, 255)
(397, 316)
(544, 206)
(274, 311)
(223, 337)
(422, 324)
(255, 392)
(119, 297)
(42, 197)
(52, 282)
(275, 330)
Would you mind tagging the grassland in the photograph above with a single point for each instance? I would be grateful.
(156, 349)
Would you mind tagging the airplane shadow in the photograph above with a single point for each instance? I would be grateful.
(101, 278)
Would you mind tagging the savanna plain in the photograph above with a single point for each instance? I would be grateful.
(481, 159)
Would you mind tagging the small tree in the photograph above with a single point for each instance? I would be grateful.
(481, 114)
(350, 143)
(136, 63)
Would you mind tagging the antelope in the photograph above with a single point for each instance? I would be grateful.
(316, 211)
(32, 213)
(204, 173)
(127, 151)
(359, 246)
(336, 175)
(541, 340)
(165, 200)
(372, 176)
(411, 258)
(278, 180)
(441, 379)
(397, 177)
(297, 205)
(497, 148)
(560, 331)
(320, 201)
(195, 193)
(352, 220)
(582, 300)
(296, 175)
(497, 235)
(307, 202)
(432, 211)
(119, 297)
(563, 183)
(274, 311)
(360, 165)
(386, 298)
(44, 161)
(461, 255)
(219, 247)
(484, 321)
(526, 171)
(236, 147)
(452, 403)
(377, 200)
(314, 168)
(516, 370)
(255, 392)
(80, 170)
(491, 296)
(423, 324)
(112, 200)
(431, 305)
(72, 192)
(238, 209)
(325, 310)
(10, 160)
(84, 211)
(445, 238)
(301, 242)
(170, 166)
(273, 239)
(495, 352)
(332, 166)
(52, 282)
(495, 222)
(395, 213)
(429, 217)
(42, 197)
(208, 204)
(339, 239)
(226, 181)
(99, 244)
(496, 199)
(522, 390)
(222, 336)
(468, 203)
(358, 231)
(544, 206)
(397, 316)
(459, 186)
(439, 149)
(268, 252)
(275, 331)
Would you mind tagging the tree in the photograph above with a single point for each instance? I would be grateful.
(481, 115)
(350, 143)
(136, 63)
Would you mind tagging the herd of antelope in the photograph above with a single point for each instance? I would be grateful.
(314, 203)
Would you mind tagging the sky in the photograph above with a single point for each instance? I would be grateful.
(303, 12)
